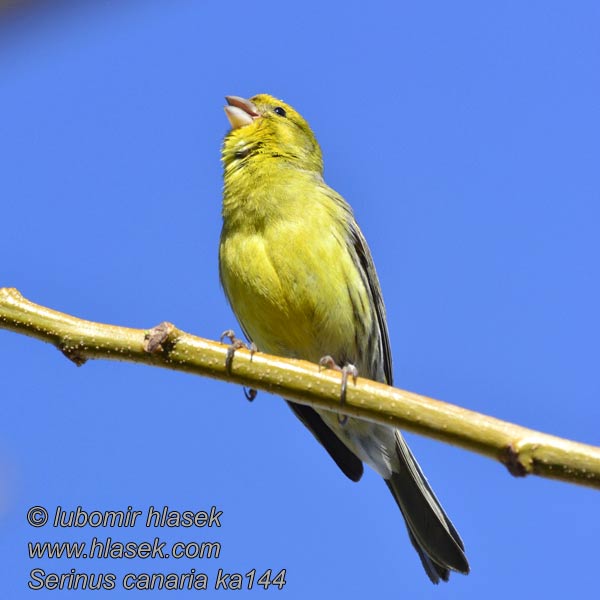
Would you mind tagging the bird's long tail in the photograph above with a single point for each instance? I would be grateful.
(431, 531)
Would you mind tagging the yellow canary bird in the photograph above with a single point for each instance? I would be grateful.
(299, 276)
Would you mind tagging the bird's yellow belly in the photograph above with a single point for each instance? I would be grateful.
(290, 295)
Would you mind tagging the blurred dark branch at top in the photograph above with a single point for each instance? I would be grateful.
(12, 12)
(8, 7)
(19, 12)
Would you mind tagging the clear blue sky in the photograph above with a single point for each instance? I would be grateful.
(466, 136)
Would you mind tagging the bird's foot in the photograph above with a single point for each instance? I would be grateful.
(236, 344)
(348, 369)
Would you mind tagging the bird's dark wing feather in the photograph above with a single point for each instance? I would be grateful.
(346, 460)
(372, 283)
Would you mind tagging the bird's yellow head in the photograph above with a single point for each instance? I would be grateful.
(264, 129)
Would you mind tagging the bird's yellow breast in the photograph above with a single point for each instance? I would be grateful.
(292, 282)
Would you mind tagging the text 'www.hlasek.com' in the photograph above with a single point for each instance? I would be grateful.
(105, 547)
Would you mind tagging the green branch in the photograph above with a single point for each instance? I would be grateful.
(523, 451)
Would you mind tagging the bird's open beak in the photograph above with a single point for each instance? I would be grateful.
(240, 111)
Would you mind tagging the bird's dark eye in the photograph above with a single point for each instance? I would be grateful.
(280, 111)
